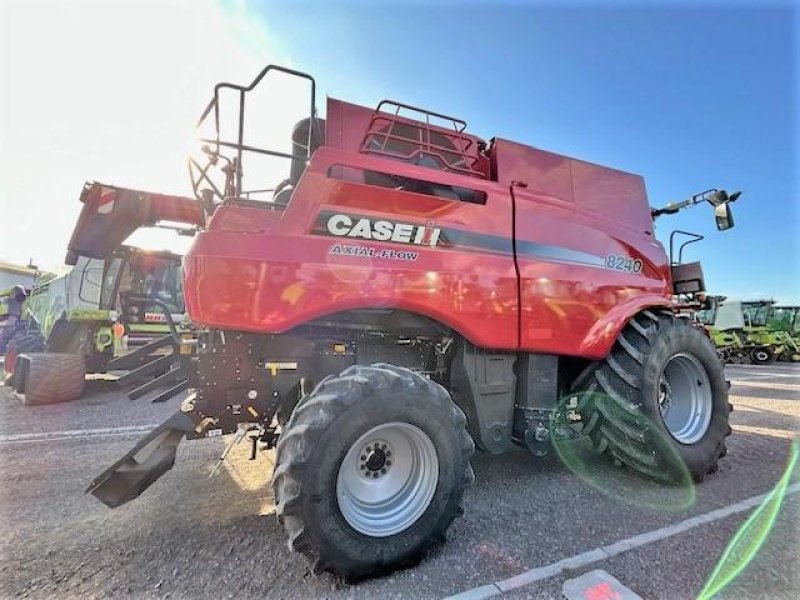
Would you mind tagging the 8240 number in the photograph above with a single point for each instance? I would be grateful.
(623, 263)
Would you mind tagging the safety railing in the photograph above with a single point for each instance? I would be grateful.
(232, 163)
(419, 141)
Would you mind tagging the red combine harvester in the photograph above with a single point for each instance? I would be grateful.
(410, 289)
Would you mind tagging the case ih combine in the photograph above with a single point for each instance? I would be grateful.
(411, 289)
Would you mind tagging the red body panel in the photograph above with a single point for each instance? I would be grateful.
(584, 212)
(285, 275)
(264, 271)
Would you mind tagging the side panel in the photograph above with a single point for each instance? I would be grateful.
(483, 385)
(48, 301)
(281, 277)
(574, 273)
(611, 196)
(584, 247)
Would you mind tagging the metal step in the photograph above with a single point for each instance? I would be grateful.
(169, 377)
(154, 367)
(171, 392)
(136, 358)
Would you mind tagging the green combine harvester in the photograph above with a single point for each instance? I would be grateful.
(89, 319)
(754, 330)
(785, 318)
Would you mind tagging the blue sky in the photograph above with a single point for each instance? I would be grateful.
(689, 95)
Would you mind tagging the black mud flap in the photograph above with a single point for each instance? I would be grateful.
(148, 460)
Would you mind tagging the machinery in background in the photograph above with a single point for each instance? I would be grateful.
(119, 300)
(755, 330)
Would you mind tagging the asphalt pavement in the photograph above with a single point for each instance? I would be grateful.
(191, 536)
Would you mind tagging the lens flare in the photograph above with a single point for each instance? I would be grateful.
(642, 442)
(751, 535)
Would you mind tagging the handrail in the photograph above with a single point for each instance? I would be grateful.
(695, 237)
(239, 145)
(424, 111)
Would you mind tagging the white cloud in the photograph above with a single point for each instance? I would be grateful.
(107, 91)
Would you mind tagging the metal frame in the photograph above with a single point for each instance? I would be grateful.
(461, 143)
(234, 175)
(695, 237)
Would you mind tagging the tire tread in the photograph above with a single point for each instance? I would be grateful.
(610, 406)
(330, 398)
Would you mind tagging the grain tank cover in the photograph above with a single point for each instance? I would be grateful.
(618, 195)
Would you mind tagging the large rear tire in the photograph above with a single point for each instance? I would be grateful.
(50, 378)
(371, 470)
(659, 402)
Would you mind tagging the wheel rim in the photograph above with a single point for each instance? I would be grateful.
(762, 355)
(387, 479)
(685, 398)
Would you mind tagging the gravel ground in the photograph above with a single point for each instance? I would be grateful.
(193, 537)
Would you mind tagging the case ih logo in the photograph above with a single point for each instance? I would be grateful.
(383, 231)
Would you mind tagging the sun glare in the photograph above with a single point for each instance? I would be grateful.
(108, 92)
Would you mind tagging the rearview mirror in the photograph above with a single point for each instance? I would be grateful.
(724, 216)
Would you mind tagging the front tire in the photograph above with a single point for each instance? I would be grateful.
(371, 470)
(659, 402)
(762, 356)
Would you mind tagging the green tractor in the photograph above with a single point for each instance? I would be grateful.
(87, 320)
(746, 330)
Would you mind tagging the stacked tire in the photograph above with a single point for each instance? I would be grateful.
(49, 378)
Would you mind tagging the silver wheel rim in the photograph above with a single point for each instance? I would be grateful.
(685, 398)
(387, 479)
(761, 355)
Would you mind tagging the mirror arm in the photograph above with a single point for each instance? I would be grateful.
(713, 196)
(674, 207)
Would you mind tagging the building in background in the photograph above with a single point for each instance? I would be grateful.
(11, 275)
